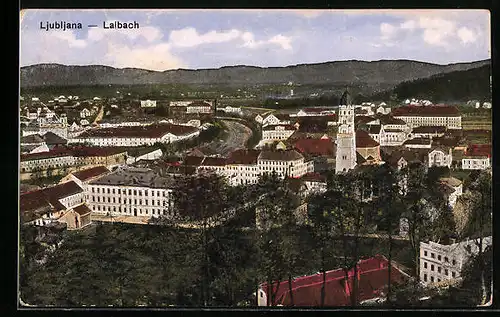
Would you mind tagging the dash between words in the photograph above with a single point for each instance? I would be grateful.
(64, 25)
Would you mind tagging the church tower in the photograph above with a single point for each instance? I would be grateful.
(346, 136)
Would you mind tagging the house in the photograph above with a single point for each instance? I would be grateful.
(477, 157)
(314, 112)
(34, 148)
(367, 147)
(440, 156)
(242, 167)
(148, 103)
(418, 143)
(487, 105)
(84, 122)
(451, 188)
(259, 118)
(277, 132)
(440, 262)
(84, 176)
(52, 140)
(77, 217)
(313, 183)
(136, 135)
(144, 154)
(428, 131)
(131, 191)
(274, 119)
(372, 277)
(199, 107)
(52, 204)
(85, 113)
(284, 162)
(436, 115)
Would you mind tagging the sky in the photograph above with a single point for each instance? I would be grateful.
(194, 39)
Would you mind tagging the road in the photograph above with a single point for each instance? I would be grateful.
(237, 136)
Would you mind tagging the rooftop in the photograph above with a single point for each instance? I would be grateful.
(364, 140)
(389, 119)
(86, 174)
(418, 141)
(427, 111)
(135, 176)
(149, 131)
(32, 139)
(321, 147)
(429, 129)
(275, 127)
(243, 156)
(82, 210)
(280, 155)
(307, 289)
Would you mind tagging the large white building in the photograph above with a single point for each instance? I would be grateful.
(131, 191)
(477, 157)
(452, 188)
(148, 103)
(284, 162)
(241, 167)
(277, 132)
(416, 116)
(439, 262)
(136, 135)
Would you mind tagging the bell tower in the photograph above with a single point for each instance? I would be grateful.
(346, 136)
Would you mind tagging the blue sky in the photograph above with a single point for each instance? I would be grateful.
(171, 39)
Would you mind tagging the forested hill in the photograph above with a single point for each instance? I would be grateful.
(376, 75)
(454, 86)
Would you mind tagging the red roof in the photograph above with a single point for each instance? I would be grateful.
(82, 210)
(73, 151)
(373, 277)
(149, 131)
(429, 111)
(322, 147)
(243, 156)
(214, 161)
(478, 150)
(364, 140)
(90, 173)
(317, 110)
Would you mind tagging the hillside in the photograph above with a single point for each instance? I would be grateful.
(450, 87)
(373, 76)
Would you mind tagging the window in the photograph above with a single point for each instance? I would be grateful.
(433, 255)
(432, 278)
(109, 191)
(145, 193)
(439, 257)
(425, 253)
(453, 274)
(454, 262)
(135, 192)
(439, 280)
(92, 189)
(446, 272)
(446, 259)
(425, 265)
(432, 267)
(439, 269)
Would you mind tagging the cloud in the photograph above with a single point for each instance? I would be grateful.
(283, 41)
(153, 57)
(70, 39)
(387, 30)
(189, 37)
(466, 35)
(149, 33)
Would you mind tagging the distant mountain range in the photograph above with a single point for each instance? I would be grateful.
(370, 76)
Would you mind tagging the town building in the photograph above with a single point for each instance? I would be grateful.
(418, 143)
(274, 119)
(451, 188)
(372, 277)
(60, 203)
(277, 132)
(84, 176)
(199, 107)
(148, 103)
(131, 191)
(286, 163)
(136, 135)
(84, 113)
(242, 167)
(346, 137)
(313, 112)
(367, 147)
(440, 262)
(415, 116)
(477, 157)
(428, 132)
(144, 154)
(440, 156)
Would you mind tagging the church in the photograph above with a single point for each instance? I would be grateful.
(346, 136)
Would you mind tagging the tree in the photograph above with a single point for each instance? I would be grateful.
(414, 180)
(479, 224)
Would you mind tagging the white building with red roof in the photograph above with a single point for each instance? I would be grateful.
(136, 135)
(277, 132)
(436, 115)
(477, 157)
